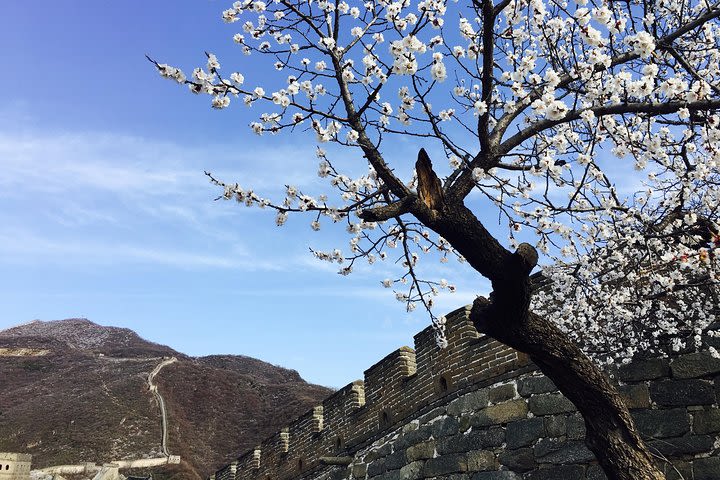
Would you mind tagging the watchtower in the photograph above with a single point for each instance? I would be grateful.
(15, 466)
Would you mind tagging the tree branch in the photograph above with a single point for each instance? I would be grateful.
(652, 109)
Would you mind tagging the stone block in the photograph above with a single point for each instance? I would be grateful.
(680, 393)
(695, 365)
(359, 470)
(533, 385)
(411, 471)
(413, 437)
(555, 425)
(502, 393)
(550, 404)
(391, 475)
(479, 439)
(662, 423)
(481, 460)
(395, 460)
(499, 475)
(677, 470)
(420, 451)
(501, 413)
(470, 402)
(522, 433)
(520, 460)
(562, 452)
(444, 465)
(706, 421)
(687, 445)
(432, 414)
(595, 472)
(706, 468)
(564, 472)
(575, 427)
(635, 396)
(339, 473)
(445, 427)
(644, 370)
(382, 451)
(377, 467)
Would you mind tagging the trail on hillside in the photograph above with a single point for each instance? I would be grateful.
(161, 402)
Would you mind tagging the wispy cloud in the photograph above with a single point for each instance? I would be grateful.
(18, 246)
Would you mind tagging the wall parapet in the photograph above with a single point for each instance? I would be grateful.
(402, 385)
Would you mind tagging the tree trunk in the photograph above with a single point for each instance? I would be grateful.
(611, 434)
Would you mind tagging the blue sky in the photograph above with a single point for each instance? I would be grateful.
(107, 214)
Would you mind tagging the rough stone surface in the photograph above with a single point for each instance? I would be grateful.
(534, 385)
(689, 444)
(421, 451)
(694, 365)
(706, 468)
(522, 433)
(481, 460)
(662, 423)
(476, 440)
(501, 413)
(635, 396)
(575, 427)
(469, 402)
(595, 472)
(445, 427)
(555, 425)
(564, 472)
(359, 470)
(549, 404)
(502, 393)
(411, 471)
(555, 451)
(706, 421)
(644, 370)
(675, 393)
(500, 475)
(444, 465)
(520, 460)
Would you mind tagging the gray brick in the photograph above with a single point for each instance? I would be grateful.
(687, 445)
(694, 365)
(562, 452)
(522, 433)
(706, 468)
(564, 472)
(644, 370)
(676, 393)
(533, 385)
(706, 421)
(550, 404)
(662, 423)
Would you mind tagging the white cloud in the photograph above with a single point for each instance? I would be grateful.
(18, 246)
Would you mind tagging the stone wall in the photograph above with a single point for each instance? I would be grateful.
(479, 410)
(15, 466)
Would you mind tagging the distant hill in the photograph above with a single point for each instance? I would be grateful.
(73, 391)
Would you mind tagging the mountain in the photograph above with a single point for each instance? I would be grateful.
(73, 391)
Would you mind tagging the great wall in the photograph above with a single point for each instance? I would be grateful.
(478, 410)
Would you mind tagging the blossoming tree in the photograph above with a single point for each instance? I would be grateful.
(537, 108)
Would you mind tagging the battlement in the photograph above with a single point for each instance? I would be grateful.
(397, 387)
(15, 466)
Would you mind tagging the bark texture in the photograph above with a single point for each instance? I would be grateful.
(505, 316)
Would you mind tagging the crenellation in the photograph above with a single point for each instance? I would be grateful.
(257, 453)
(386, 379)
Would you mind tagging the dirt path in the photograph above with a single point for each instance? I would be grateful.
(161, 402)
